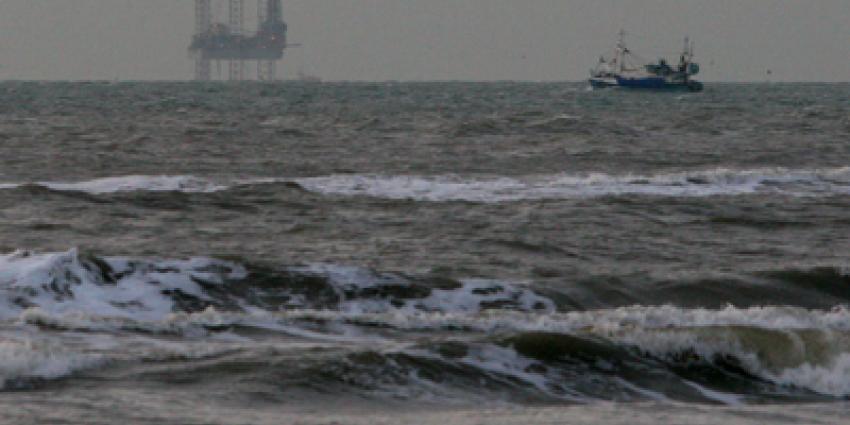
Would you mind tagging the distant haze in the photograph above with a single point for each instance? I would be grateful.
(540, 40)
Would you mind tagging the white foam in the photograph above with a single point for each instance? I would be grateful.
(186, 184)
(800, 363)
(446, 188)
(63, 284)
(606, 322)
(141, 183)
(704, 183)
(29, 359)
(832, 378)
(68, 291)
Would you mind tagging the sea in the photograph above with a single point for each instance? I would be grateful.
(423, 253)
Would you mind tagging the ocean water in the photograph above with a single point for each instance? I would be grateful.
(400, 253)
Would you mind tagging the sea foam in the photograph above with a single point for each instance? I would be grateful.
(496, 189)
(66, 282)
(23, 360)
(701, 183)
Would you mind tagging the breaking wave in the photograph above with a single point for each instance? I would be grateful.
(140, 183)
(447, 188)
(408, 336)
(24, 362)
(719, 182)
(625, 354)
(152, 289)
(106, 185)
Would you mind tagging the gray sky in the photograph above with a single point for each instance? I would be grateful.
(737, 40)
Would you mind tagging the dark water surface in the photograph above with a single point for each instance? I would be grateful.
(183, 253)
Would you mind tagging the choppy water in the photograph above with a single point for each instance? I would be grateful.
(423, 253)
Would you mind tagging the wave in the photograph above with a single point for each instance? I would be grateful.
(413, 335)
(152, 289)
(718, 182)
(592, 356)
(142, 183)
(112, 287)
(568, 358)
(449, 188)
(136, 183)
(186, 184)
(24, 362)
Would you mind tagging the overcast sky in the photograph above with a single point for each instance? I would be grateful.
(737, 40)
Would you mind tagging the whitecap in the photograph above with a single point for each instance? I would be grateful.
(27, 359)
(701, 183)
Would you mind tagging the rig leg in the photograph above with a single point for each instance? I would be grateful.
(237, 70)
(203, 21)
(203, 69)
(267, 70)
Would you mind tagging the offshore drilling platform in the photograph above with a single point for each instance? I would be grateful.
(230, 42)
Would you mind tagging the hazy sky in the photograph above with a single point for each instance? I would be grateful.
(737, 40)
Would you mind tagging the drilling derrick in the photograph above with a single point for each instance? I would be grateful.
(237, 30)
(230, 42)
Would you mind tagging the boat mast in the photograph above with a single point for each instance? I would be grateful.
(621, 52)
(688, 52)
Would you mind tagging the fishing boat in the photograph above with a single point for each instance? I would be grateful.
(626, 69)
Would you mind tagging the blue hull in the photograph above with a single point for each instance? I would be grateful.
(657, 83)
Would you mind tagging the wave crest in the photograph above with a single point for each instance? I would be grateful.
(151, 289)
(451, 188)
(718, 182)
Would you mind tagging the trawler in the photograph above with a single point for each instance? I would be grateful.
(628, 70)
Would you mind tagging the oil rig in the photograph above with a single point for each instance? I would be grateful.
(230, 42)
